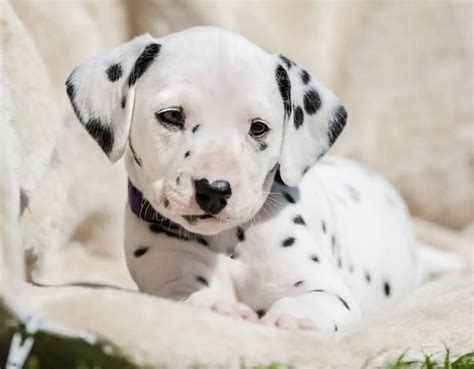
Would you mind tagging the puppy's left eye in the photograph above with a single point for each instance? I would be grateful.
(171, 117)
(258, 129)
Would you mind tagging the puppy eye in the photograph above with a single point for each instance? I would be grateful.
(171, 117)
(258, 129)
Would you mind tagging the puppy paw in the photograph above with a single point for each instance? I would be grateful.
(291, 313)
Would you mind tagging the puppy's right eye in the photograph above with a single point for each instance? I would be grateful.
(171, 117)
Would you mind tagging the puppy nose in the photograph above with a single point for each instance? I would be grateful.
(212, 197)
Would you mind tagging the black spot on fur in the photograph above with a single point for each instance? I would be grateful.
(299, 283)
(101, 133)
(346, 305)
(386, 288)
(298, 117)
(24, 201)
(287, 242)
(123, 103)
(323, 226)
(288, 197)
(333, 244)
(299, 220)
(262, 146)
(305, 170)
(284, 85)
(166, 203)
(71, 92)
(368, 277)
(145, 59)
(314, 258)
(202, 280)
(287, 61)
(114, 72)
(354, 193)
(336, 124)
(178, 180)
(311, 101)
(339, 262)
(187, 154)
(140, 251)
(335, 328)
(351, 269)
(240, 234)
(195, 128)
(305, 77)
(260, 313)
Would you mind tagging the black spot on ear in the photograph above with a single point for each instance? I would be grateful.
(386, 288)
(287, 242)
(140, 251)
(123, 102)
(311, 101)
(288, 197)
(195, 128)
(187, 154)
(240, 234)
(299, 283)
(145, 59)
(305, 77)
(298, 117)
(24, 201)
(202, 280)
(260, 313)
(287, 61)
(337, 124)
(101, 133)
(284, 85)
(314, 258)
(71, 92)
(299, 220)
(114, 72)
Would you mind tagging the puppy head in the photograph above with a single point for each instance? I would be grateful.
(206, 118)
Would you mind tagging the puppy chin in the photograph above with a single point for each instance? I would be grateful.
(209, 226)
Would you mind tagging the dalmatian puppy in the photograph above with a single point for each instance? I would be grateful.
(230, 207)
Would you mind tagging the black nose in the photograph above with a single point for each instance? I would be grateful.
(212, 197)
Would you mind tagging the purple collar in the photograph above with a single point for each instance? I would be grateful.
(143, 209)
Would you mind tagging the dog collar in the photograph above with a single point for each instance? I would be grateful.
(143, 209)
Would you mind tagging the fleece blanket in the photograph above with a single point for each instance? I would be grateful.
(408, 90)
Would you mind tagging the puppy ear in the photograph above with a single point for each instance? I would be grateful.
(314, 118)
(102, 92)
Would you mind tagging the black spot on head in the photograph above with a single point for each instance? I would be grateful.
(260, 313)
(315, 258)
(187, 154)
(298, 117)
(368, 277)
(202, 280)
(195, 128)
(386, 288)
(284, 85)
(114, 72)
(240, 234)
(311, 101)
(101, 133)
(140, 251)
(299, 283)
(346, 305)
(323, 226)
(123, 102)
(287, 61)
(288, 197)
(142, 63)
(24, 201)
(336, 124)
(299, 220)
(287, 242)
(305, 77)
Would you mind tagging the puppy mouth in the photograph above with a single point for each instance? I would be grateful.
(194, 218)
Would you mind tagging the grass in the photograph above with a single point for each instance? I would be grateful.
(464, 362)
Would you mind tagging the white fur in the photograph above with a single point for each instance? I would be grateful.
(223, 82)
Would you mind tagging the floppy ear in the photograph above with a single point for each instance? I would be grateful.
(314, 118)
(102, 92)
